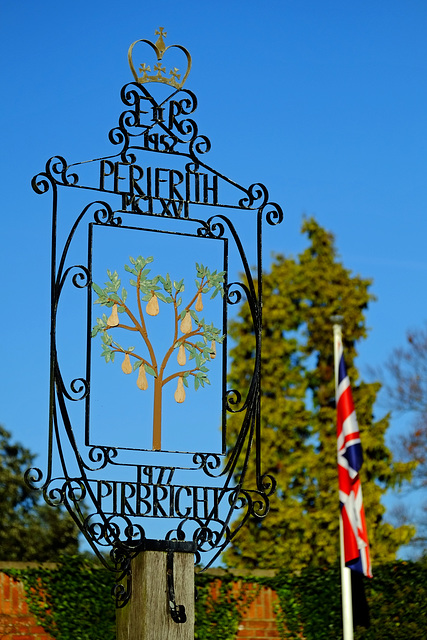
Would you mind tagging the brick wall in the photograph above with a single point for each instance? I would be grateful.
(259, 621)
(16, 622)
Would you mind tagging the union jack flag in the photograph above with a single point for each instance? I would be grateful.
(350, 459)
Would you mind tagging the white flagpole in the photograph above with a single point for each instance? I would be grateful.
(347, 607)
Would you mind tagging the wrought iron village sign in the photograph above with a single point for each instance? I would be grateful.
(143, 245)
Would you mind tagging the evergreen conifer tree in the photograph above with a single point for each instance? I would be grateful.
(29, 528)
(298, 412)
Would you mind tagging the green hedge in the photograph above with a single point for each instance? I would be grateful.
(73, 602)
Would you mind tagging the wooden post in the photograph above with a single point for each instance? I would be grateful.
(147, 615)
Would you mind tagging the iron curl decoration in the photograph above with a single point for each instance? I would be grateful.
(216, 229)
(209, 230)
(274, 215)
(208, 462)
(33, 477)
(255, 192)
(41, 183)
(122, 564)
(109, 530)
(105, 215)
(54, 495)
(260, 506)
(192, 167)
(241, 499)
(199, 145)
(188, 105)
(234, 296)
(131, 97)
(102, 455)
(120, 592)
(134, 533)
(255, 502)
(178, 533)
(119, 136)
(57, 166)
(130, 119)
(69, 492)
(187, 128)
(234, 397)
(267, 484)
(128, 157)
(131, 94)
(207, 538)
(238, 499)
(203, 231)
(74, 491)
(80, 279)
(96, 530)
(78, 386)
(112, 530)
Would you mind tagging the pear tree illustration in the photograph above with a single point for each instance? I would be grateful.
(193, 340)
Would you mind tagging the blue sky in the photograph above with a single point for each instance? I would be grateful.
(324, 102)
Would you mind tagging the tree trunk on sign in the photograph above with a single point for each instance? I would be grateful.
(157, 414)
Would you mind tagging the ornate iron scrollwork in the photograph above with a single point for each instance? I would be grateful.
(156, 185)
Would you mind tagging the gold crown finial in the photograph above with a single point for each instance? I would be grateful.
(160, 44)
(174, 78)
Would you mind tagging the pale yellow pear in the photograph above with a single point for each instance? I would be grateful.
(126, 365)
(142, 382)
(180, 391)
(182, 358)
(199, 302)
(186, 323)
(113, 320)
(152, 307)
(212, 352)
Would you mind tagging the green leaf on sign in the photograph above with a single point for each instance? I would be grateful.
(161, 296)
(150, 370)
